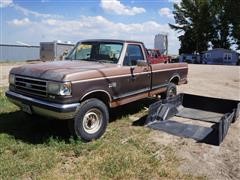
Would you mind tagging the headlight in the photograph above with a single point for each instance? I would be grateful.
(62, 89)
(11, 79)
(65, 89)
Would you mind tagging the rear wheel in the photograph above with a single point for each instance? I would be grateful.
(91, 120)
(238, 63)
(171, 91)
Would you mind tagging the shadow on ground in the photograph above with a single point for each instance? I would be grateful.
(38, 130)
(32, 129)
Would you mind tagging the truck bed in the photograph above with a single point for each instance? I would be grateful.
(218, 114)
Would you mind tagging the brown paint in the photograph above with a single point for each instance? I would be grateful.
(114, 79)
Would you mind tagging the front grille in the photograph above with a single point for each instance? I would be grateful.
(31, 86)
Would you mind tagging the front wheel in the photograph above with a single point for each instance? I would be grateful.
(171, 91)
(91, 120)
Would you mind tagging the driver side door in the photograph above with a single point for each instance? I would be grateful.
(136, 79)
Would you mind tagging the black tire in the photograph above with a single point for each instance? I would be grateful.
(171, 91)
(91, 120)
(238, 63)
(33, 116)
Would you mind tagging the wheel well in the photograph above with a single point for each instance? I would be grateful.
(104, 97)
(175, 80)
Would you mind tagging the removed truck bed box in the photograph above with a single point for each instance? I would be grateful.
(220, 112)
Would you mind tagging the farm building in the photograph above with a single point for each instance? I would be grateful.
(18, 53)
(46, 51)
(55, 50)
(220, 56)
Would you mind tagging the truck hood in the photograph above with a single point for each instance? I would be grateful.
(60, 70)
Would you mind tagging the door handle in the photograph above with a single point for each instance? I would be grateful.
(145, 69)
(133, 78)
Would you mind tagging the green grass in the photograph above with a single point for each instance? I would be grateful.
(40, 148)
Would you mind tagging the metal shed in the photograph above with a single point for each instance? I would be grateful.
(50, 51)
(14, 53)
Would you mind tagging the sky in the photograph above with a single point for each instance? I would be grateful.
(34, 21)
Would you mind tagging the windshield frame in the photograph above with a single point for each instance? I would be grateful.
(98, 43)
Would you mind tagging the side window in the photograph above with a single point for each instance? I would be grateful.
(155, 54)
(225, 56)
(229, 57)
(110, 52)
(133, 53)
(150, 53)
(207, 55)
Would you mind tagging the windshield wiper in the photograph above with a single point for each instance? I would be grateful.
(104, 61)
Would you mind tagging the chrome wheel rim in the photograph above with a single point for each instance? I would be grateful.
(172, 92)
(92, 121)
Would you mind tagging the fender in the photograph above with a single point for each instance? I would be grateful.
(176, 75)
(97, 90)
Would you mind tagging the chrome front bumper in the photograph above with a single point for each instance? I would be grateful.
(58, 111)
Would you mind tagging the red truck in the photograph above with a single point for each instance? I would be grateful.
(154, 57)
(97, 75)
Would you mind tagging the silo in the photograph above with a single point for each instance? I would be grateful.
(161, 43)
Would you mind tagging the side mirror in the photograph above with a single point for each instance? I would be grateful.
(141, 63)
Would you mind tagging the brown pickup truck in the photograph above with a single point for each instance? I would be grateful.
(96, 75)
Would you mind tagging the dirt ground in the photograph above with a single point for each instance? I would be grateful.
(5, 68)
(213, 80)
(212, 162)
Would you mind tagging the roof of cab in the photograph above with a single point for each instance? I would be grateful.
(111, 40)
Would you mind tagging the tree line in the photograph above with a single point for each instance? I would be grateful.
(204, 23)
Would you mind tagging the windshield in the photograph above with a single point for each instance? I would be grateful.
(97, 51)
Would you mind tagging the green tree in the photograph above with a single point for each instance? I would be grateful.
(193, 19)
(205, 21)
(235, 21)
(220, 13)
